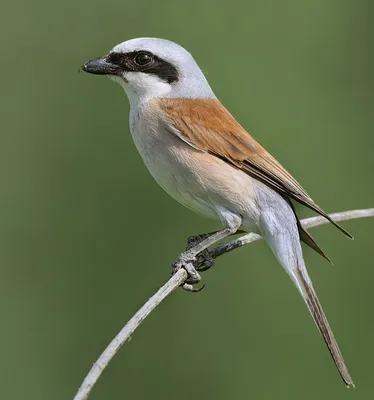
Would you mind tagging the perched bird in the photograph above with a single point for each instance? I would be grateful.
(202, 157)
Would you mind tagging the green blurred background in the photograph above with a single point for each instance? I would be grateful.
(86, 235)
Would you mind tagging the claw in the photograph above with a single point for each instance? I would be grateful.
(189, 288)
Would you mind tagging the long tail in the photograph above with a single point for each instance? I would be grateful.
(279, 228)
(315, 308)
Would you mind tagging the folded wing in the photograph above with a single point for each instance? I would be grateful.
(206, 125)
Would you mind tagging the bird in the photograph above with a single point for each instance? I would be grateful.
(202, 157)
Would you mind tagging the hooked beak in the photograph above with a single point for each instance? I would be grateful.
(100, 66)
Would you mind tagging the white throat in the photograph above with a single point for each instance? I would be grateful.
(142, 87)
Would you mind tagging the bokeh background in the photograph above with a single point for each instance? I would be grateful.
(86, 235)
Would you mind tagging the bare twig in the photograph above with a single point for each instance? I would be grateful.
(177, 280)
(307, 223)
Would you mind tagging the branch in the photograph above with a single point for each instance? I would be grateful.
(177, 280)
(307, 223)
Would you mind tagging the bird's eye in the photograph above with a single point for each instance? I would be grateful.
(143, 59)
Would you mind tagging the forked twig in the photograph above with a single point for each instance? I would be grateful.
(177, 280)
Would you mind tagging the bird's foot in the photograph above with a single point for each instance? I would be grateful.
(202, 262)
(186, 262)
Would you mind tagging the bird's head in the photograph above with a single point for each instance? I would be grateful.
(149, 67)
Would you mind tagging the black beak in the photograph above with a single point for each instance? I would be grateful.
(100, 66)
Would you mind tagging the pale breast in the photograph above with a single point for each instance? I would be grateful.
(196, 179)
(158, 150)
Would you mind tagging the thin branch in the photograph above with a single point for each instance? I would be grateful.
(307, 223)
(177, 280)
(125, 333)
